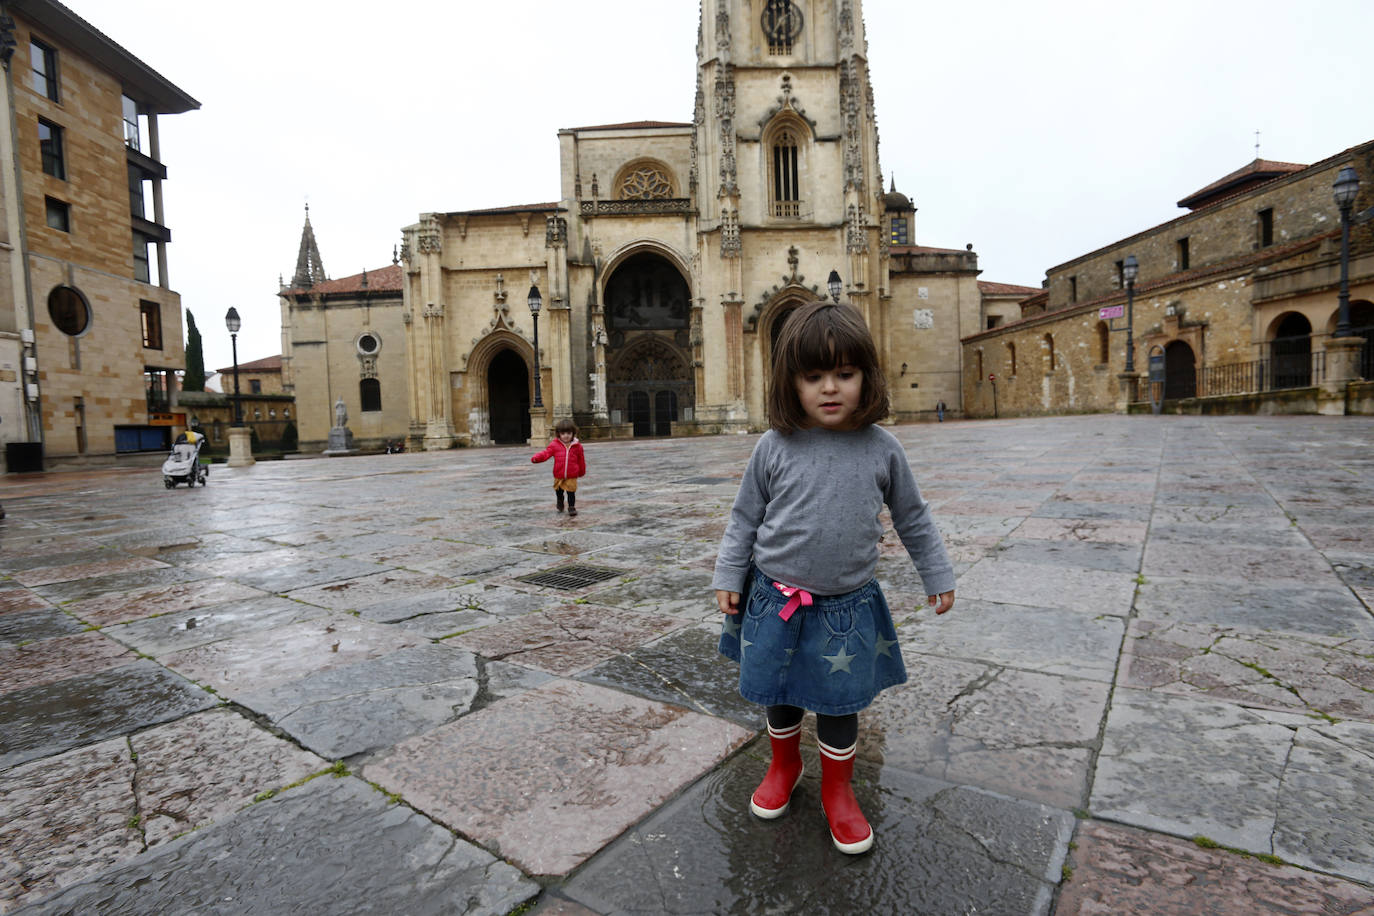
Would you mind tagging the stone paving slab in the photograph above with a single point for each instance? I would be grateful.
(45, 555)
(1050, 640)
(282, 579)
(1097, 531)
(1239, 563)
(548, 777)
(1073, 554)
(372, 704)
(664, 590)
(50, 718)
(15, 597)
(266, 658)
(53, 660)
(938, 849)
(63, 593)
(1328, 677)
(567, 638)
(123, 607)
(1255, 606)
(65, 819)
(174, 631)
(683, 668)
(110, 565)
(20, 627)
(325, 847)
(364, 591)
(1020, 733)
(1256, 780)
(1090, 591)
(1123, 870)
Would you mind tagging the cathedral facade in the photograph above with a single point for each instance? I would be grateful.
(664, 271)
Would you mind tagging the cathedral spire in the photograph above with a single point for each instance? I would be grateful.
(309, 266)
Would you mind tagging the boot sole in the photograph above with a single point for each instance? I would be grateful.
(854, 849)
(769, 814)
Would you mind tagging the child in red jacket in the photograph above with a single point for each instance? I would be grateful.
(568, 463)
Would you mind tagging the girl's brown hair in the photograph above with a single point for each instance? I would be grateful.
(819, 336)
(565, 425)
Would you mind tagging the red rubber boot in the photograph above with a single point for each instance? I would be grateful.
(784, 774)
(848, 826)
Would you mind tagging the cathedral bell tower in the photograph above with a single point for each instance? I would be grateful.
(788, 185)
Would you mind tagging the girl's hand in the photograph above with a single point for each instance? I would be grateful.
(728, 602)
(944, 600)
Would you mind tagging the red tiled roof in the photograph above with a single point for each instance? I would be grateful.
(989, 288)
(266, 364)
(634, 125)
(925, 249)
(520, 208)
(1243, 178)
(384, 279)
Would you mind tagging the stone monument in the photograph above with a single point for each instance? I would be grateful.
(340, 438)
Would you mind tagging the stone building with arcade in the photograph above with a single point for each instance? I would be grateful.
(665, 269)
(1236, 301)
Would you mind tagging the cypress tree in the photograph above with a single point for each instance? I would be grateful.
(195, 357)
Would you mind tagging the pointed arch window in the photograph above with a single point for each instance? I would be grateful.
(786, 183)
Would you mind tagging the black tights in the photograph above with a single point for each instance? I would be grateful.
(839, 732)
(572, 498)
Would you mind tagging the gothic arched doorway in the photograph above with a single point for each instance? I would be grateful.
(508, 396)
(650, 382)
(1180, 371)
(1290, 353)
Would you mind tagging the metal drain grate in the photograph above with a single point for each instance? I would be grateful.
(569, 577)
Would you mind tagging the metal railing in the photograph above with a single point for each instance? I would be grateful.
(1281, 373)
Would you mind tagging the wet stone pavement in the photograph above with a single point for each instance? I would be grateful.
(331, 686)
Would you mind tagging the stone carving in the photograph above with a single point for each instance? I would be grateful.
(434, 310)
(555, 231)
(725, 113)
(431, 238)
(340, 413)
(636, 207)
(645, 182)
(730, 245)
(856, 239)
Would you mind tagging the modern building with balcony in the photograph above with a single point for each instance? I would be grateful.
(90, 328)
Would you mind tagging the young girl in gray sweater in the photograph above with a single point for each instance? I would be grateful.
(801, 548)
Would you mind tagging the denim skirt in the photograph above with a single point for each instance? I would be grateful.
(831, 657)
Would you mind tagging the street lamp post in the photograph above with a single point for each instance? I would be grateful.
(1344, 190)
(535, 301)
(232, 322)
(240, 437)
(833, 282)
(1130, 268)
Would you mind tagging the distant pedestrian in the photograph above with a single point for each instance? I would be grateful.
(940, 410)
(569, 463)
(799, 553)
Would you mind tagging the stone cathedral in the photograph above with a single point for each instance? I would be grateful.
(664, 272)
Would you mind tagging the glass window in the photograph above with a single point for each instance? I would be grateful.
(136, 198)
(69, 312)
(151, 314)
(44, 62)
(141, 271)
(59, 215)
(131, 132)
(786, 187)
(900, 232)
(50, 147)
(255, 386)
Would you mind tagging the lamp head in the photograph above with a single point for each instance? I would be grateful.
(1130, 268)
(231, 320)
(535, 300)
(1346, 186)
(833, 281)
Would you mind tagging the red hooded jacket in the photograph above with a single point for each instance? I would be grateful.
(568, 460)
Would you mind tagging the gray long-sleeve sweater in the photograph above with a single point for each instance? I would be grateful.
(807, 513)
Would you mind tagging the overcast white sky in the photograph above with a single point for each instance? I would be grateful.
(1037, 131)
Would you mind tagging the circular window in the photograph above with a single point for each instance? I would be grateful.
(368, 344)
(69, 312)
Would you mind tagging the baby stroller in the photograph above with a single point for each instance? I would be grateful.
(183, 464)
